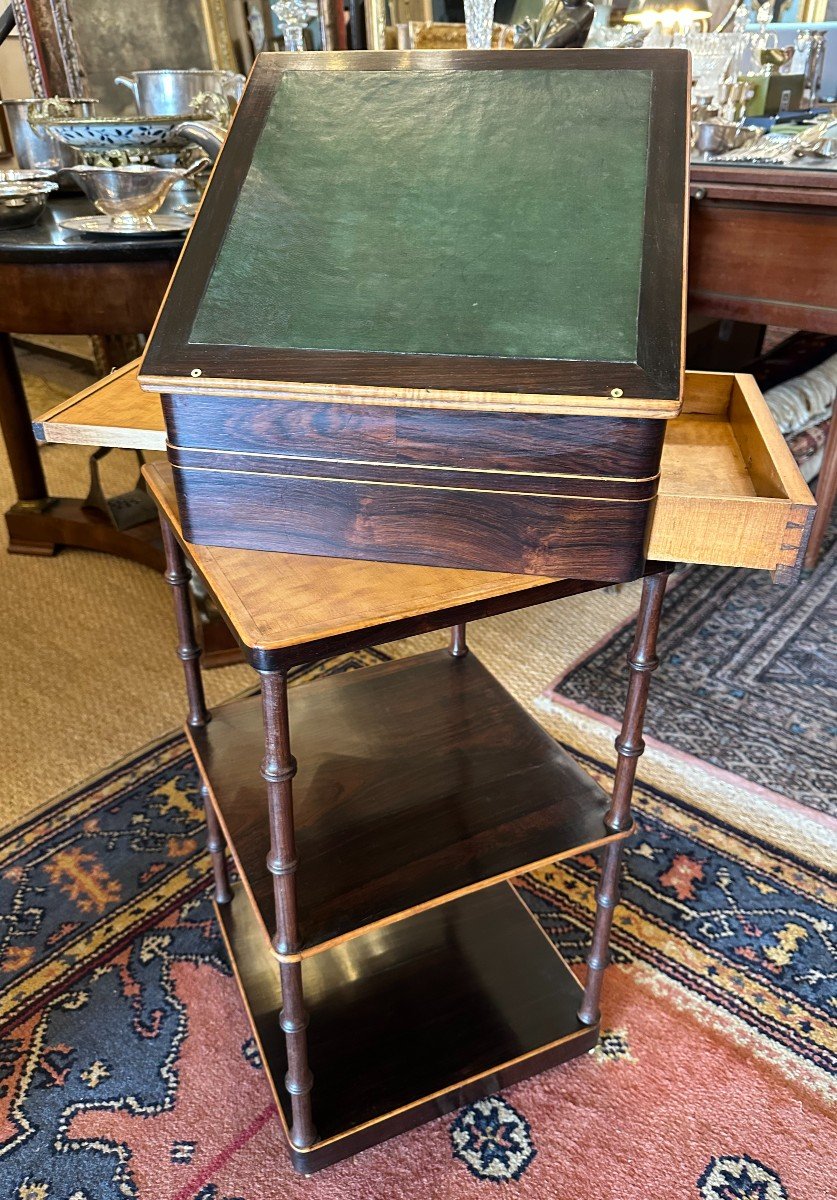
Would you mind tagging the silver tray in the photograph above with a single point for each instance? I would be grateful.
(156, 226)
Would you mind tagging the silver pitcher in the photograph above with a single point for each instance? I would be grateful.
(172, 93)
(35, 148)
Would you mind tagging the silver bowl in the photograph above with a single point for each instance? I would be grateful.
(130, 195)
(718, 137)
(170, 93)
(21, 204)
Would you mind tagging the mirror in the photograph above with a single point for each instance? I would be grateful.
(77, 47)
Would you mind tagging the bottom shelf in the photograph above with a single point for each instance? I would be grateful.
(413, 1020)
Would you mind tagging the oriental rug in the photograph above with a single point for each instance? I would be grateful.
(127, 1069)
(747, 680)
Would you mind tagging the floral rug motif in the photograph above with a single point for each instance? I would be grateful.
(127, 1069)
(747, 680)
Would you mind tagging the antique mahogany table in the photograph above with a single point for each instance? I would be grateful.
(762, 249)
(376, 817)
(56, 282)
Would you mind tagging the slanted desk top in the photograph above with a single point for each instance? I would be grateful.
(501, 228)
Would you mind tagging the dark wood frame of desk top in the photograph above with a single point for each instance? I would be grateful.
(656, 375)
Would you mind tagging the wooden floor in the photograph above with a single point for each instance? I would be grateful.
(419, 779)
(407, 1022)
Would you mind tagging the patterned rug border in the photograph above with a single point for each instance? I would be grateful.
(98, 779)
(769, 846)
(552, 701)
(551, 704)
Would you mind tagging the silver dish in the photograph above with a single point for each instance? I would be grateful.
(116, 133)
(33, 175)
(33, 145)
(131, 195)
(21, 204)
(719, 137)
(169, 93)
(156, 226)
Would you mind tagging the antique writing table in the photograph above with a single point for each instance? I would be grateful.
(751, 231)
(389, 971)
(365, 377)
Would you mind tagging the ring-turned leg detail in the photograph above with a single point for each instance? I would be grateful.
(278, 770)
(216, 846)
(188, 650)
(607, 897)
(642, 660)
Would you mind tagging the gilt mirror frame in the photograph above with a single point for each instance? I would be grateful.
(56, 62)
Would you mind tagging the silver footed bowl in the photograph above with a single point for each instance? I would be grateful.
(21, 203)
(114, 133)
(130, 195)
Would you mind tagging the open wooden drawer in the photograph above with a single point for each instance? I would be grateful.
(730, 493)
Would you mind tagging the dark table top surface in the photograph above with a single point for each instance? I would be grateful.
(46, 242)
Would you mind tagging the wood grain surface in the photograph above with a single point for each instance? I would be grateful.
(290, 608)
(493, 999)
(729, 492)
(431, 781)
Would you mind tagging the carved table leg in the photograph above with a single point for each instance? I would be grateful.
(278, 770)
(458, 647)
(826, 495)
(189, 652)
(642, 660)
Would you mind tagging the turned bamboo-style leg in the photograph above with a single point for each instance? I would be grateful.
(188, 650)
(458, 646)
(216, 846)
(642, 660)
(189, 653)
(278, 770)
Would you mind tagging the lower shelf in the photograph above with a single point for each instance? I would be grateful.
(413, 1020)
(419, 779)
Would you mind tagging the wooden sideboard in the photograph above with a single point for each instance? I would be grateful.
(762, 245)
(763, 249)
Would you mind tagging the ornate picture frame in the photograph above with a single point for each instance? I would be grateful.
(59, 63)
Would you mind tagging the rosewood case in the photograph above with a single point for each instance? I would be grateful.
(390, 346)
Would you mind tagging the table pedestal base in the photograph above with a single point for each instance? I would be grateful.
(43, 526)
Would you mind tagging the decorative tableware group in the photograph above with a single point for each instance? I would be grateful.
(125, 165)
(128, 165)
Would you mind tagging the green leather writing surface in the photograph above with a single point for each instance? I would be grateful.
(492, 213)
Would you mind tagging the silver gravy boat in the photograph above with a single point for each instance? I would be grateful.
(173, 93)
(131, 195)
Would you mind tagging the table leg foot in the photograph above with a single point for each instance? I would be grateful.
(36, 549)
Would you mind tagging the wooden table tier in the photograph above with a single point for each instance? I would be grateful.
(418, 780)
(412, 1021)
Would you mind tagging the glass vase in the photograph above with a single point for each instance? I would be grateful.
(292, 16)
